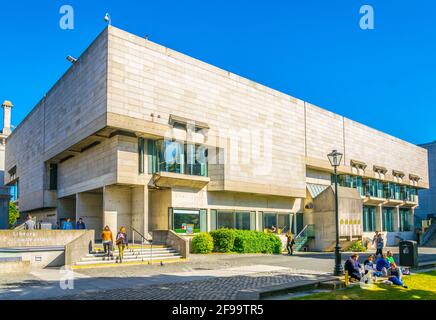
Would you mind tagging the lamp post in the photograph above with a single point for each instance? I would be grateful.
(335, 158)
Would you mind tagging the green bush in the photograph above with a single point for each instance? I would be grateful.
(245, 241)
(202, 243)
(223, 240)
(357, 247)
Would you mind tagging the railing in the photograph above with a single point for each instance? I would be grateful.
(302, 238)
(428, 234)
(149, 241)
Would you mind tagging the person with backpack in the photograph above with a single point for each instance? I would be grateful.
(107, 240)
(122, 243)
(290, 242)
(379, 244)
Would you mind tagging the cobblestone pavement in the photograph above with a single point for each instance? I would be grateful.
(221, 288)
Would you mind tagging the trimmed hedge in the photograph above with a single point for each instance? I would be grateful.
(248, 241)
(245, 241)
(202, 243)
(223, 240)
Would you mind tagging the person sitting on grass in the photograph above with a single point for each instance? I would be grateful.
(353, 267)
(390, 257)
(369, 264)
(382, 265)
(395, 275)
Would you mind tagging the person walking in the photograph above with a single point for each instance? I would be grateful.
(290, 242)
(122, 243)
(379, 245)
(80, 225)
(107, 240)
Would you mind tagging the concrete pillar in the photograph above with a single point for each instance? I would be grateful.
(379, 218)
(117, 208)
(89, 206)
(397, 219)
(140, 210)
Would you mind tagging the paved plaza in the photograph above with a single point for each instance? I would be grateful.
(214, 276)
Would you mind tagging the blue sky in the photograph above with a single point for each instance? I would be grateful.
(312, 49)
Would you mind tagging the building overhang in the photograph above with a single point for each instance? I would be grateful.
(170, 179)
(373, 200)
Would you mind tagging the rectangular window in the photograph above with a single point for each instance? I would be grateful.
(152, 156)
(388, 219)
(233, 220)
(186, 221)
(15, 191)
(141, 143)
(280, 221)
(405, 220)
(53, 176)
(369, 214)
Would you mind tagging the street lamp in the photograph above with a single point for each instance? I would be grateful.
(335, 158)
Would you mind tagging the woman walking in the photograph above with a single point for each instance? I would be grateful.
(107, 239)
(122, 243)
(290, 242)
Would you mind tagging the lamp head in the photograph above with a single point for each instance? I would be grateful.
(335, 158)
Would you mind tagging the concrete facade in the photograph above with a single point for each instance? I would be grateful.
(126, 96)
(427, 198)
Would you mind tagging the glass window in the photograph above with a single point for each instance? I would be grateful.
(53, 174)
(369, 214)
(405, 220)
(151, 155)
(388, 219)
(281, 221)
(233, 220)
(269, 220)
(186, 221)
(14, 191)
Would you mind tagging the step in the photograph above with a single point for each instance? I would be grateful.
(102, 254)
(136, 249)
(129, 257)
(93, 262)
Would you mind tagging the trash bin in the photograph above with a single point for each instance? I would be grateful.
(408, 253)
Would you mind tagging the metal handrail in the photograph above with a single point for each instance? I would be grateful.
(301, 232)
(150, 241)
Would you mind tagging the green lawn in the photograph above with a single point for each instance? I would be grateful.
(422, 286)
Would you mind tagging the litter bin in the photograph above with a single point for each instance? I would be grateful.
(408, 253)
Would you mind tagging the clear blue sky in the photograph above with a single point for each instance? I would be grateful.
(312, 49)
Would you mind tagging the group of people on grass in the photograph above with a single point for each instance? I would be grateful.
(378, 265)
(120, 241)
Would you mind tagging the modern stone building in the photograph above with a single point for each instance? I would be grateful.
(139, 135)
(427, 197)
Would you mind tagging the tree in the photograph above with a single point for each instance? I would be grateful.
(14, 214)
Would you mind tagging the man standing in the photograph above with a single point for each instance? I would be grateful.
(290, 242)
(380, 244)
(29, 224)
(80, 225)
(67, 225)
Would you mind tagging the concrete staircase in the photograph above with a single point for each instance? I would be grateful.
(136, 254)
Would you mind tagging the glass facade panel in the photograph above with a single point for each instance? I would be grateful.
(369, 214)
(388, 219)
(233, 220)
(405, 220)
(350, 182)
(269, 220)
(186, 221)
(282, 221)
(176, 157)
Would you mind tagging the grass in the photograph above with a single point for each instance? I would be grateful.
(422, 286)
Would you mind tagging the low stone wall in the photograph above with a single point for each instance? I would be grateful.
(173, 240)
(38, 238)
(49, 248)
(78, 248)
(14, 267)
